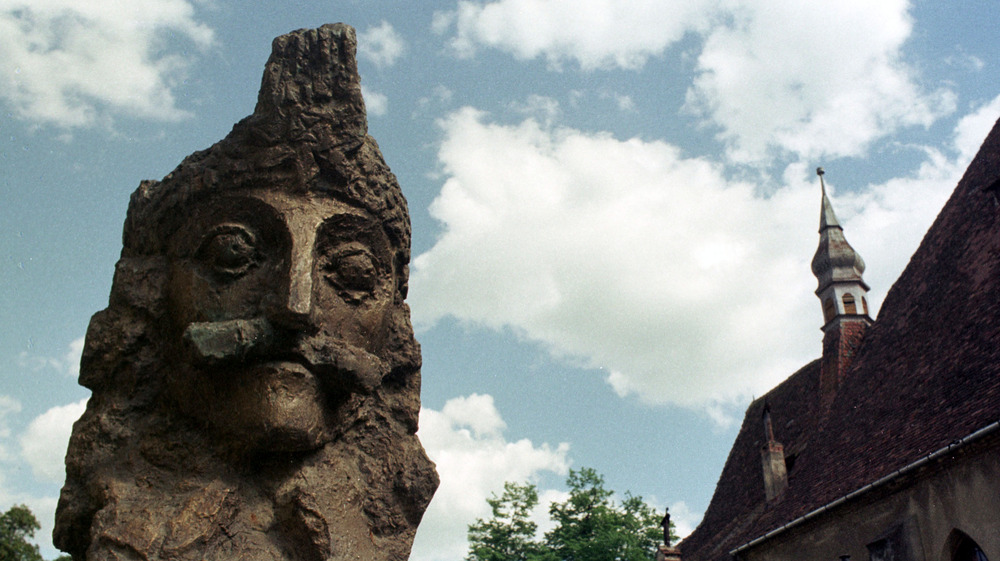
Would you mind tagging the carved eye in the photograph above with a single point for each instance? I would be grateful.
(355, 273)
(229, 250)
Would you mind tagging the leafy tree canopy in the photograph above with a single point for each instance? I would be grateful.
(589, 525)
(17, 526)
(508, 535)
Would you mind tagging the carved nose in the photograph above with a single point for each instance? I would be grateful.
(295, 306)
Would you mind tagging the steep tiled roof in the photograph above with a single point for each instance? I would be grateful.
(739, 496)
(927, 373)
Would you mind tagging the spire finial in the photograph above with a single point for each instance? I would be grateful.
(827, 217)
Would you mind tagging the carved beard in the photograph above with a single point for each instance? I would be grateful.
(268, 390)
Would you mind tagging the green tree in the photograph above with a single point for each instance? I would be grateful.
(589, 525)
(509, 535)
(17, 526)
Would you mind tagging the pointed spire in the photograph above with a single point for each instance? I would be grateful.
(843, 295)
(835, 259)
(827, 218)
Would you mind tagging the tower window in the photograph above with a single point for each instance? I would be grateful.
(849, 307)
(828, 309)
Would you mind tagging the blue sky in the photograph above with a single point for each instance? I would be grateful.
(614, 205)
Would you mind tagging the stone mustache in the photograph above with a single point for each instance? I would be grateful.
(255, 377)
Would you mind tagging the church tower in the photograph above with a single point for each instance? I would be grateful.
(843, 294)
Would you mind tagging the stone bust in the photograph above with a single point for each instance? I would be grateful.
(255, 377)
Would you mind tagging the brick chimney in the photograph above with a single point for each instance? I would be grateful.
(667, 553)
(772, 457)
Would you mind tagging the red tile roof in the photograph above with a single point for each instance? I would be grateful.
(927, 373)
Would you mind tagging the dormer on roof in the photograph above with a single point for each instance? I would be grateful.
(844, 297)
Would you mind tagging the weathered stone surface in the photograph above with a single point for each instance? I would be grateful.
(255, 377)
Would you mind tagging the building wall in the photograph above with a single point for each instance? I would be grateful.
(910, 520)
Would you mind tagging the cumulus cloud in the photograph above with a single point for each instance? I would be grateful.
(822, 78)
(812, 78)
(683, 285)
(622, 255)
(381, 45)
(465, 439)
(592, 33)
(44, 442)
(375, 103)
(72, 63)
(685, 521)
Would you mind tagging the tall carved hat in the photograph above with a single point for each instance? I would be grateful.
(308, 132)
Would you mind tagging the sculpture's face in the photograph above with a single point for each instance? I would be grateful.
(279, 309)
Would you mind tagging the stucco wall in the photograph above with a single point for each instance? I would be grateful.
(920, 512)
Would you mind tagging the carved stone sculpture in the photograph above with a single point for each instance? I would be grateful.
(255, 377)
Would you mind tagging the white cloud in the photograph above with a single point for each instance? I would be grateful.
(465, 440)
(8, 406)
(76, 63)
(592, 33)
(441, 94)
(973, 128)
(440, 97)
(71, 360)
(381, 45)
(965, 61)
(543, 108)
(69, 363)
(625, 103)
(375, 103)
(622, 255)
(35, 363)
(685, 286)
(886, 222)
(685, 521)
(44, 442)
(12, 492)
(818, 78)
(772, 76)
(540, 514)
